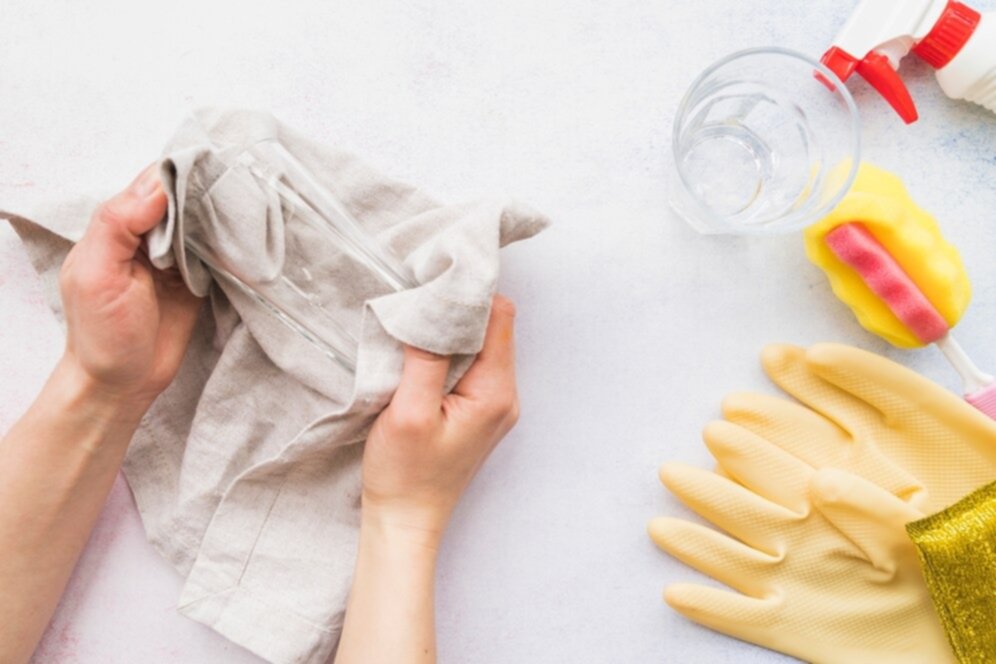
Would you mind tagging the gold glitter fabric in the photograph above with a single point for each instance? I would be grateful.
(957, 549)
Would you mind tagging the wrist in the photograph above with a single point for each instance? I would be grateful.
(71, 388)
(402, 528)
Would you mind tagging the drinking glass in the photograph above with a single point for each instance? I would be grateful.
(325, 255)
(765, 141)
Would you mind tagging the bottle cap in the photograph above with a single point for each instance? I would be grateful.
(949, 35)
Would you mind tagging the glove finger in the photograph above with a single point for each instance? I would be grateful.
(901, 394)
(739, 616)
(806, 435)
(723, 472)
(866, 514)
(753, 520)
(890, 388)
(728, 561)
(786, 366)
(816, 441)
(764, 468)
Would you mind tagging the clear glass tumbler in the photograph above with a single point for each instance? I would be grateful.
(321, 246)
(765, 141)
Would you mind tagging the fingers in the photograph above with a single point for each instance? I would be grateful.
(787, 367)
(724, 559)
(893, 390)
(739, 616)
(493, 372)
(491, 378)
(799, 431)
(816, 441)
(115, 232)
(759, 465)
(942, 436)
(178, 311)
(753, 520)
(866, 514)
(423, 379)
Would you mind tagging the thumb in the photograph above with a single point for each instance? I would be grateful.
(422, 380)
(118, 224)
(868, 515)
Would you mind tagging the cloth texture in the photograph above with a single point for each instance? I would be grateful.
(813, 497)
(246, 470)
(957, 550)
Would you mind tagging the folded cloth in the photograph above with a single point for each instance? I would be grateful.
(246, 470)
(957, 550)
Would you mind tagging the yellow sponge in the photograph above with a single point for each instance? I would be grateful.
(880, 203)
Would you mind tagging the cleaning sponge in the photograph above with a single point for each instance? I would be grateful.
(897, 230)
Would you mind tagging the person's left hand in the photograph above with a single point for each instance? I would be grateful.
(128, 323)
(426, 446)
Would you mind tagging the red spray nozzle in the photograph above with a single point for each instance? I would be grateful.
(877, 70)
(880, 32)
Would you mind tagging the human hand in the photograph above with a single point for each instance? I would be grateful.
(128, 323)
(425, 447)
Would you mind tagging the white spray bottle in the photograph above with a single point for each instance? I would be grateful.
(959, 42)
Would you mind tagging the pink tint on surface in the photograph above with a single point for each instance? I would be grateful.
(62, 641)
(119, 607)
(120, 604)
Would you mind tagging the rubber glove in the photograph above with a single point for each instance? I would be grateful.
(876, 408)
(828, 575)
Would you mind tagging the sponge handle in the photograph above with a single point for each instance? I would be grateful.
(984, 400)
(979, 387)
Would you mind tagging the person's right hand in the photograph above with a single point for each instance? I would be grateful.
(128, 323)
(425, 447)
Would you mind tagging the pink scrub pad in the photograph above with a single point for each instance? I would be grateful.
(855, 246)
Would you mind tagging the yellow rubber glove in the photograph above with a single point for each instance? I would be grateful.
(829, 577)
(807, 590)
(876, 408)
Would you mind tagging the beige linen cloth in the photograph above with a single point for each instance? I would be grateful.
(246, 470)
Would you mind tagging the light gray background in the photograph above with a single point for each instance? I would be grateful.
(631, 327)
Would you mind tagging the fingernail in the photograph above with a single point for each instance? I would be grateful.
(148, 182)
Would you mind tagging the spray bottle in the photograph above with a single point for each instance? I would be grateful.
(956, 40)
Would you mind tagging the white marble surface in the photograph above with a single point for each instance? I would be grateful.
(631, 327)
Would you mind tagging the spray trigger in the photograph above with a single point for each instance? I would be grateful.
(878, 71)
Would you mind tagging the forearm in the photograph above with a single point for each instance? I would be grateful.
(390, 618)
(57, 465)
(421, 453)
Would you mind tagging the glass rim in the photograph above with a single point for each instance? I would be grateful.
(794, 220)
